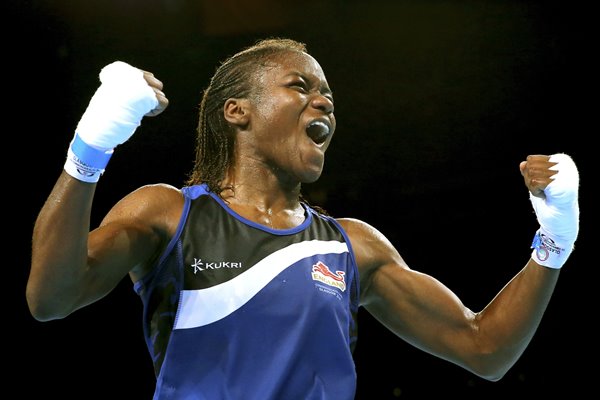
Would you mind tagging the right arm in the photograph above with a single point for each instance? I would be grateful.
(72, 267)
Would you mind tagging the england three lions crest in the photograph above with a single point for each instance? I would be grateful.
(322, 273)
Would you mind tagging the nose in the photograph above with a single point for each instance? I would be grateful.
(322, 102)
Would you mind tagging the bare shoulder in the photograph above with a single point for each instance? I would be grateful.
(156, 191)
(362, 233)
(354, 227)
(371, 247)
(158, 205)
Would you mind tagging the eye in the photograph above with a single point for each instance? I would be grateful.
(299, 85)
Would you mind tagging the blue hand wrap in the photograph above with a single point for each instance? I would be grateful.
(90, 155)
(85, 162)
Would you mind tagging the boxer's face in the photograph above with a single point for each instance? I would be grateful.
(292, 120)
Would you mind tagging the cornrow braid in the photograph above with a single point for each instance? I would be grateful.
(233, 79)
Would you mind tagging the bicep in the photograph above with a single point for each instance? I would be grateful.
(413, 305)
(128, 240)
(419, 309)
(117, 249)
(114, 251)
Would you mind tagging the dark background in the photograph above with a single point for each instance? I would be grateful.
(437, 102)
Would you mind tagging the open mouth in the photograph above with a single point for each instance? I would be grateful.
(318, 131)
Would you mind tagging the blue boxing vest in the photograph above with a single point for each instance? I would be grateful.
(234, 310)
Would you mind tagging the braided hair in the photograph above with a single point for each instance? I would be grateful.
(215, 139)
(233, 78)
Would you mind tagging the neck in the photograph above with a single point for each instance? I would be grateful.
(275, 209)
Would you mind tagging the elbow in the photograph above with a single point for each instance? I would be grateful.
(491, 373)
(491, 367)
(491, 359)
(491, 376)
(41, 309)
(42, 313)
(41, 316)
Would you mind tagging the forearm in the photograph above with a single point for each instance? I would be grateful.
(59, 249)
(508, 323)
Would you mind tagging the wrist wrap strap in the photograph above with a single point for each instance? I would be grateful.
(85, 162)
(548, 251)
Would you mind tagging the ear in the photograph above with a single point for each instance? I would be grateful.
(236, 112)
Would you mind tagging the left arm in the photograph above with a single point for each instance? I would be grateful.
(425, 313)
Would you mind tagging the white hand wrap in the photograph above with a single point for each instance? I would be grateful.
(112, 116)
(557, 214)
